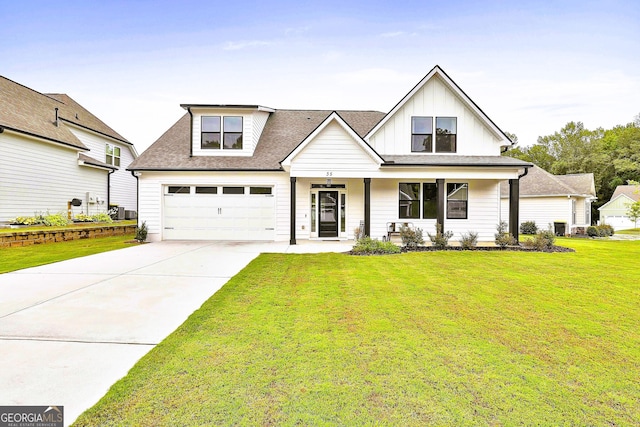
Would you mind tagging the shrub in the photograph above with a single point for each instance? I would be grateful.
(592, 231)
(543, 240)
(411, 237)
(101, 217)
(528, 227)
(358, 233)
(469, 240)
(82, 217)
(440, 240)
(369, 246)
(604, 230)
(504, 239)
(141, 232)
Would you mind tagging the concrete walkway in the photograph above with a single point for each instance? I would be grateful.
(69, 330)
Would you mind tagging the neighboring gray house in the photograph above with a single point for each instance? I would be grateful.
(53, 151)
(614, 212)
(560, 201)
(248, 172)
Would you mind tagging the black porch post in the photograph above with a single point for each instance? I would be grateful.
(514, 207)
(441, 202)
(292, 226)
(367, 207)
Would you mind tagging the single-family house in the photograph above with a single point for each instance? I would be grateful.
(54, 152)
(562, 202)
(615, 211)
(248, 172)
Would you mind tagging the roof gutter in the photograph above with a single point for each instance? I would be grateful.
(190, 131)
(2, 129)
(526, 171)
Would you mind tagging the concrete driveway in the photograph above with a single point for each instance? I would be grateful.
(69, 330)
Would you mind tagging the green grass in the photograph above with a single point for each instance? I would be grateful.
(17, 258)
(432, 338)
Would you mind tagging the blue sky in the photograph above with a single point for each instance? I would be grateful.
(531, 66)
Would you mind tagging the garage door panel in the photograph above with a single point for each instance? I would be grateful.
(218, 217)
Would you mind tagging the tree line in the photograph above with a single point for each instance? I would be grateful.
(612, 155)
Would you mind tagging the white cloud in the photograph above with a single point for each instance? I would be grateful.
(245, 44)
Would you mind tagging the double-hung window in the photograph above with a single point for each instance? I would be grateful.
(221, 132)
(422, 134)
(457, 200)
(113, 155)
(445, 134)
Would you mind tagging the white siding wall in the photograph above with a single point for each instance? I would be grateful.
(151, 194)
(123, 184)
(436, 100)
(615, 213)
(332, 151)
(542, 210)
(259, 121)
(39, 177)
(483, 209)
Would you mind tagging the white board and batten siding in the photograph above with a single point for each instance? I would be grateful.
(483, 207)
(123, 184)
(39, 176)
(153, 188)
(435, 99)
(253, 122)
(333, 153)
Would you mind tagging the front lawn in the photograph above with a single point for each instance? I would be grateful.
(432, 338)
(17, 258)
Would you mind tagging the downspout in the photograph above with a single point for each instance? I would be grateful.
(137, 197)
(190, 131)
(526, 171)
(109, 189)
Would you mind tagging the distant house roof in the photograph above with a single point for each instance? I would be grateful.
(33, 113)
(539, 182)
(630, 191)
(284, 130)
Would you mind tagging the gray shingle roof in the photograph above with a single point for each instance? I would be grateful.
(91, 161)
(630, 191)
(284, 130)
(539, 182)
(25, 110)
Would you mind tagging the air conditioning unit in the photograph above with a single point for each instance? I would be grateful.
(130, 214)
(121, 213)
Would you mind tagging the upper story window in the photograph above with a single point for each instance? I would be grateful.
(422, 134)
(221, 132)
(446, 130)
(113, 155)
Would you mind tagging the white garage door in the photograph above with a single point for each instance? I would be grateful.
(218, 213)
(619, 222)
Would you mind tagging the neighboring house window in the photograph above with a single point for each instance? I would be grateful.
(409, 200)
(457, 199)
(113, 155)
(446, 130)
(429, 200)
(221, 132)
(422, 134)
(587, 212)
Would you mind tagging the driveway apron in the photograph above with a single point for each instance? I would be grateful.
(69, 330)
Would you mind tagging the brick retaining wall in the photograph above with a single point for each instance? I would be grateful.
(25, 238)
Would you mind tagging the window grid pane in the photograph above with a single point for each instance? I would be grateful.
(430, 201)
(457, 200)
(409, 200)
(421, 134)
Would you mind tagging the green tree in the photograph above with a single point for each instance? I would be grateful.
(634, 213)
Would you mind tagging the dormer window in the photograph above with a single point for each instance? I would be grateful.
(446, 129)
(227, 129)
(422, 134)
